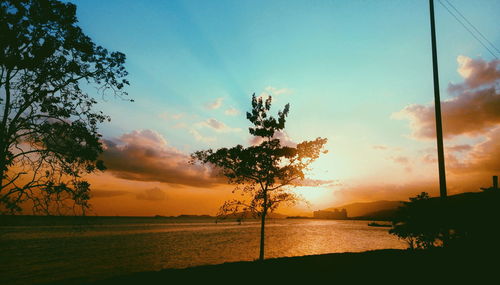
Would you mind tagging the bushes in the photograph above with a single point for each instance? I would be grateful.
(416, 223)
(466, 219)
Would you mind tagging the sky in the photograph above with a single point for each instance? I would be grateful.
(358, 73)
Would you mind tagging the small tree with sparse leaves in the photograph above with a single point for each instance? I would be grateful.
(264, 173)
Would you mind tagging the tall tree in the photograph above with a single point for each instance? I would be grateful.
(265, 173)
(48, 125)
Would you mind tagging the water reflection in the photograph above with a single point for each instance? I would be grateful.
(33, 254)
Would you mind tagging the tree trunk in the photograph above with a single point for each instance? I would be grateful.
(263, 226)
(262, 235)
(3, 129)
(3, 163)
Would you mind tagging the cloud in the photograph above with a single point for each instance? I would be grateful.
(469, 167)
(383, 147)
(429, 158)
(107, 193)
(454, 155)
(201, 138)
(215, 104)
(167, 116)
(475, 110)
(307, 182)
(458, 148)
(368, 192)
(217, 126)
(403, 160)
(472, 110)
(483, 157)
(374, 192)
(400, 159)
(380, 147)
(274, 92)
(144, 137)
(144, 155)
(277, 91)
(153, 194)
(180, 125)
(232, 112)
(281, 135)
(476, 72)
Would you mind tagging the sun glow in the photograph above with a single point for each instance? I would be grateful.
(315, 197)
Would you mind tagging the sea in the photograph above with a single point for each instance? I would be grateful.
(102, 247)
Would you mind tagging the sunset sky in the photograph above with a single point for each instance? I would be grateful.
(356, 72)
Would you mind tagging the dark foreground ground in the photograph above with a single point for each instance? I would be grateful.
(378, 267)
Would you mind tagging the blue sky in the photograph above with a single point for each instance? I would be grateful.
(344, 66)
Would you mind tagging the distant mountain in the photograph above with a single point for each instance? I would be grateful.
(248, 215)
(382, 215)
(377, 208)
(194, 216)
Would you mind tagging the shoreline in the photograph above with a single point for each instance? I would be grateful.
(38, 220)
(386, 264)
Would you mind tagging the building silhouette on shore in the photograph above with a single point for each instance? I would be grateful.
(494, 187)
(331, 215)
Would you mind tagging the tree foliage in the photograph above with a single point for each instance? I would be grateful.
(414, 222)
(48, 125)
(264, 173)
(462, 220)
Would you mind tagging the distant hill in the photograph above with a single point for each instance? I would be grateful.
(277, 216)
(248, 215)
(194, 216)
(368, 209)
(382, 215)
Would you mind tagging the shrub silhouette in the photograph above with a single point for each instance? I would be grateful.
(464, 220)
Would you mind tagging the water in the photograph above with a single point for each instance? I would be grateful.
(36, 254)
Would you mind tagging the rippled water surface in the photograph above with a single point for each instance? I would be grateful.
(34, 254)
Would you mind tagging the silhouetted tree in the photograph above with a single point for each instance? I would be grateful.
(48, 128)
(419, 222)
(264, 172)
(459, 221)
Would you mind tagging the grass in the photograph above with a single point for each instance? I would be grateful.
(389, 266)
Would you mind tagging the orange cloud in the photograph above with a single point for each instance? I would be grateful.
(473, 111)
(459, 148)
(144, 155)
(403, 161)
(400, 159)
(482, 157)
(307, 182)
(97, 193)
(383, 191)
(476, 72)
(153, 194)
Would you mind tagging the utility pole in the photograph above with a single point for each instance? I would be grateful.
(437, 107)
